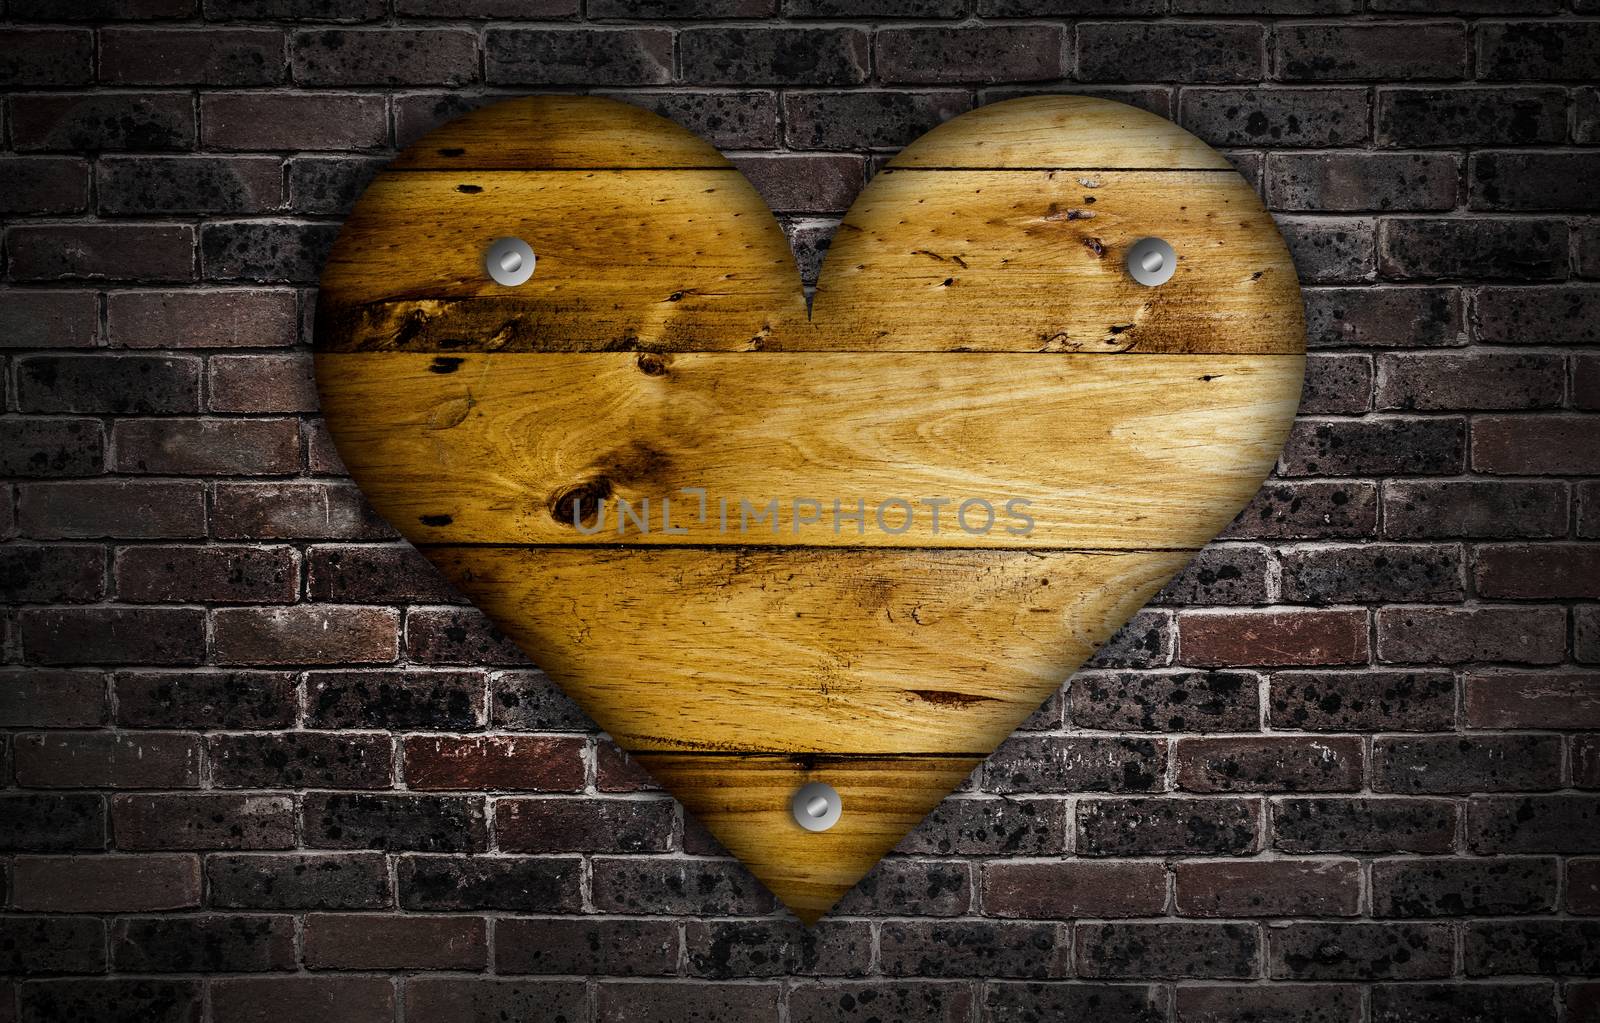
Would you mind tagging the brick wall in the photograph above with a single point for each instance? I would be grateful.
(1347, 767)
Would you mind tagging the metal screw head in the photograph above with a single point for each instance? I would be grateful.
(1151, 261)
(816, 806)
(509, 261)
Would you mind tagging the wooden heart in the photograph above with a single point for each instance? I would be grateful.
(975, 337)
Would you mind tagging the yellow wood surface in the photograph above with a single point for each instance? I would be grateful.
(974, 334)
(518, 435)
(842, 650)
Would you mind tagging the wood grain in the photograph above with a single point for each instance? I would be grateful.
(520, 436)
(744, 802)
(793, 650)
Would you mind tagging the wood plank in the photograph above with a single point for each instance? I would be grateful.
(626, 259)
(1067, 132)
(793, 650)
(744, 802)
(1110, 453)
(1035, 261)
(559, 132)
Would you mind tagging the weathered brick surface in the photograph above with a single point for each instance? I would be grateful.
(261, 763)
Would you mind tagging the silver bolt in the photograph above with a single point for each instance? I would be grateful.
(1151, 261)
(509, 261)
(816, 806)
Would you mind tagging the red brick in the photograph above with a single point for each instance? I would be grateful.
(1270, 764)
(1538, 571)
(1312, 637)
(1060, 889)
(527, 763)
(146, 760)
(222, 318)
(411, 942)
(106, 884)
(1536, 445)
(1256, 888)
(615, 771)
(305, 634)
(260, 383)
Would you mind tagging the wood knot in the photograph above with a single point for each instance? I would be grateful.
(580, 502)
(653, 364)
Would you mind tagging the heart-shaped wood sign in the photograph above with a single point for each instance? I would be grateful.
(765, 548)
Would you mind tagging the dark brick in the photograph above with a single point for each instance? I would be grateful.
(201, 319)
(1525, 445)
(1533, 181)
(713, 1002)
(1463, 1003)
(579, 56)
(1378, 446)
(295, 10)
(1412, 317)
(1144, 641)
(104, 383)
(1543, 699)
(517, 9)
(1269, 764)
(974, 948)
(388, 56)
(728, 120)
(775, 56)
(275, 999)
(1173, 51)
(1372, 573)
(1188, 701)
(298, 881)
(293, 510)
(607, 947)
(1438, 509)
(529, 701)
(938, 888)
(37, 318)
(194, 820)
(35, 698)
(1360, 824)
(1532, 946)
(1359, 951)
(1534, 571)
(398, 700)
(40, 945)
(48, 822)
(1532, 824)
(204, 944)
(991, 53)
(524, 884)
(101, 122)
(1226, 638)
(725, 950)
(797, 183)
(217, 56)
(1321, 510)
(131, 185)
(583, 825)
(106, 884)
(1064, 889)
(147, 760)
(235, 700)
(1531, 635)
(1464, 117)
(447, 1000)
(299, 760)
(1220, 574)
(1583, 886)
(44, 57)
(1366, 701)
(102, 10)
(371, 574)
(522, 763)
(257, 250)
(1555, 51)
(112, 635)
(1424, 248)
(643, 885)
(162, 252)
(1297, 1003)
(1259, 888)
(1331, 250)
(652, 9)
(44, 448)
(36, 185)
(1471, 381)
(448, 635)
(293, 121)
(1149, 950)
(866, 119)
(204, 447)
(1275, 117)
(52, 573)
(304, 634)
(111, 1000)
(1478, 763)
(994, 827)
(1432, 887)
(1013, 1002)
(413, 942)
(1154, 827)
(910, 1002)
(328, 184)
(396, 820)
(1036, 763)
(1401, 51)
(1337, 385)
